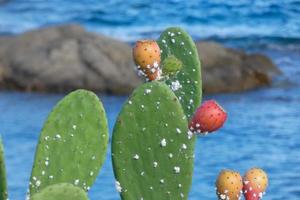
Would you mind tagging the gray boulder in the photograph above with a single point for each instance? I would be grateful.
(229, 70)
(65, 58)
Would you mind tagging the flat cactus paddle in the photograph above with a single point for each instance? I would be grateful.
(73, 142)
(187, 83)
(152, 153)
(61, 191)
(3, 184)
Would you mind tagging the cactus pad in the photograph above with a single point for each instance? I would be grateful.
(3, 184)
(151, 151)
(72, 144)
(187, 84)
(61, 191)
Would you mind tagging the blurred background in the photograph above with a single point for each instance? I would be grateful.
(250, 54)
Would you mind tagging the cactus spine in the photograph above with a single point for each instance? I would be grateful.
(72, 144)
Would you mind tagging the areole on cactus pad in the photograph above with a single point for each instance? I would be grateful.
(152, 152)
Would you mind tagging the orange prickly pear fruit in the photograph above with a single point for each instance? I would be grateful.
(255, 184)
(146, 54)
(229, 185)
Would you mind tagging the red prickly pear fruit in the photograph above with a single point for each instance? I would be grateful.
(251, 194)
(229, 185)
(146, 54)
(255, 184)
(209, 117)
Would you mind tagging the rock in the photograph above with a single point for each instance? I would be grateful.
(65, 58)
(229, 70)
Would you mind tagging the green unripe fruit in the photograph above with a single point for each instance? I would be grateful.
(171, 65)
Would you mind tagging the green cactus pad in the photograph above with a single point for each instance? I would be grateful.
(187, 84)
(72, 144)
(61, 191)
(151, 151)
(3, 184)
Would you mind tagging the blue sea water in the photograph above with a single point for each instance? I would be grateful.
(128, 20)
(263, 125)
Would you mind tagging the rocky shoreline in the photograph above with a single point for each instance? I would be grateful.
(64, 58)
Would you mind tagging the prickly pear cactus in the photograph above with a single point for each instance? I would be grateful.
(3, 184)
(152, 152)
(187, 84)
(61, 191)
(72, 144)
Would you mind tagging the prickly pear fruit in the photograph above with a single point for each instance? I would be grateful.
(229, 185)
(209, 117)
(146, 54)
(255, 184)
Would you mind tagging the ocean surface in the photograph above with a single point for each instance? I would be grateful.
(129, 20)
(263, 125)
